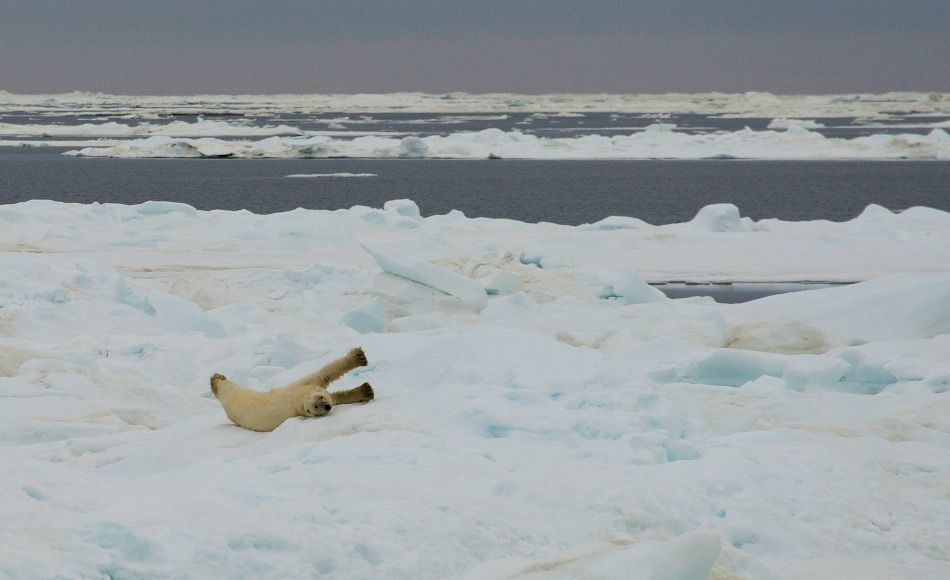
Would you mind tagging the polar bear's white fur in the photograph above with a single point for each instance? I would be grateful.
(306, 397)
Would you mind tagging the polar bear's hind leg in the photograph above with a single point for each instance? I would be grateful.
(220, 383)
(333, 370)
(359, 394)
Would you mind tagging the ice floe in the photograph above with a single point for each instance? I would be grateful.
(656, 141)
(200, 128)
(342, 174)
(541, 411)
(782, 123)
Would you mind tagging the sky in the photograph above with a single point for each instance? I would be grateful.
(438, 46)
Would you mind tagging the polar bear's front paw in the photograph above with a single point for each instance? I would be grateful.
(359, 357)
(365, 392)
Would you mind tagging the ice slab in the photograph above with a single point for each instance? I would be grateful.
(462, 287)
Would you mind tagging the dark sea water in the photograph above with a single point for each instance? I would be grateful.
(568, 192)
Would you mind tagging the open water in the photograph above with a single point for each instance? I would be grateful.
(568, 192)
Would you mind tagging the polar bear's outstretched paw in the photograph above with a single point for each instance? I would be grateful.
(359, 357)
(214, 381)
(360, 394)
(365, 391)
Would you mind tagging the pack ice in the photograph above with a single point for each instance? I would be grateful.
(747, 104)
(658, 141)
(541, 412)
(199, 128)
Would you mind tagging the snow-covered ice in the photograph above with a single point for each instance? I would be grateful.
(656, 141)
(782, 123)
(340, 174)
(541, 411)
(200, 128)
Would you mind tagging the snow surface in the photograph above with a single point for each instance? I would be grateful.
(656, 141)
(541, 411)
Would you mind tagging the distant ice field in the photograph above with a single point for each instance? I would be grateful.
(897, 126)
(70, 125)
(749, 104)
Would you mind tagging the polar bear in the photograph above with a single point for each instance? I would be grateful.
(306, 397)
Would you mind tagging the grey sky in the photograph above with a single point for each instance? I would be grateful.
(531, 46)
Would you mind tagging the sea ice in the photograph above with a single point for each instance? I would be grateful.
(541, 411)
(368, 317)
(343, 174)
(659, 141)
(720, 217)
(783, 123)
(748, 104)
(200, 128)
(426, 274)
(404, 207)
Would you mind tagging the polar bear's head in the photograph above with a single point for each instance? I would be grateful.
(317, 403)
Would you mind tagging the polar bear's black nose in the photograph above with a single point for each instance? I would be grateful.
(327, 407)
